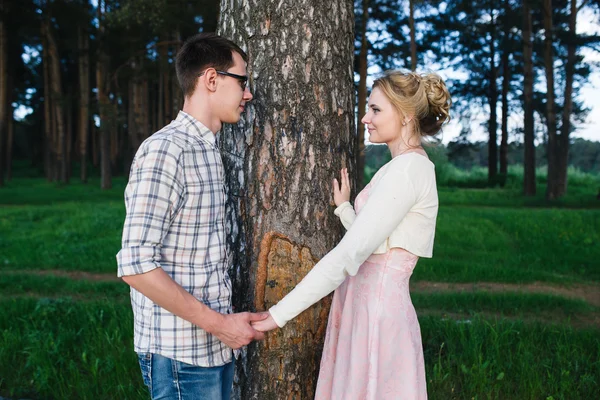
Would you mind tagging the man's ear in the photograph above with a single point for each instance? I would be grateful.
(209, 79)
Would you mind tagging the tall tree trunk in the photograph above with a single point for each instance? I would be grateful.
(505, 88)
(529, 183)
(162, 82)
(58, 101)
(298, 129)
(167, 96)
(493, 98)
(562, 151)
(553, 167)
(176, 94)
(3, 89)
(69, 111)
(413, 41)
(10, 137)
(362, 98)
(95, 151)
(104, 106)
(49, 164)
(84, 99)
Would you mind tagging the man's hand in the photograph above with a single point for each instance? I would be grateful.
(265, 325)
(341, 193)
(235, 330)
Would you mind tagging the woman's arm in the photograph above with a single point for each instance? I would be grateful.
(390, 200)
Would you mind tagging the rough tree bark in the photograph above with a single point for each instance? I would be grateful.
(413, 40)
(49, 164)
(362, 97)
(3, 89)
(493, 97)
(505, 88)
(103, 105)
(529, 186)
(280, 159)
(56, 92)
(562, 150)
(551, 189)
(83, 43)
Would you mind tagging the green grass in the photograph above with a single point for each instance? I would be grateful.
(64, 349)
(23, 284)
(506, 303)
(473, 242)
(479, 359)
(70, 236)
(38, 191)
(63, 338)
(514, 245)
(61, 349)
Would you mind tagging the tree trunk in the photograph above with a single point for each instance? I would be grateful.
(58, 100)
(95, 150)
(176, 94)
(162, 82)
(552, 191)
(10, 137)
(413, 41)
(49, 164)
(68, 135)
(167, 96)
(362, 98)
(493, 98)
(505, 88)
(3, 90)
(84, 99)
(280, 160)
(562, 151)
(104, 106)
(529, 183)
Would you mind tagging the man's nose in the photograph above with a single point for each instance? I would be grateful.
(247, 94)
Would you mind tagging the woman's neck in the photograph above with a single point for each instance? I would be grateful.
(398, 149)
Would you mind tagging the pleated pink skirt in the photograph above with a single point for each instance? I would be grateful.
(373, 348)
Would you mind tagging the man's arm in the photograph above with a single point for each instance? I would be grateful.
(233, 329)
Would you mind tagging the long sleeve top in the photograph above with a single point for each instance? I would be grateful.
(401, 211)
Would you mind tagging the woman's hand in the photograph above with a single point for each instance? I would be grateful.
(265, 325)
(341, 193)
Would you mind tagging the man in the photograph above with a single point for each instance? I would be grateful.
(173, 251)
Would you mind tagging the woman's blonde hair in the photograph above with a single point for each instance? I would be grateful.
(422, 97)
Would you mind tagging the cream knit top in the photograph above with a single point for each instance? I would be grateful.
(400, 211)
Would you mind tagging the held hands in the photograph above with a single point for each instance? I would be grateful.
(265, 325)
(236, 330)
(341, 193)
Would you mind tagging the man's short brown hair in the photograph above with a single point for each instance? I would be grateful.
(201, 51)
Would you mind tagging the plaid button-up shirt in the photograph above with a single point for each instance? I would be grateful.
(175, 202)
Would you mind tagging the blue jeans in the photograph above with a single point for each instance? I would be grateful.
(175, 380)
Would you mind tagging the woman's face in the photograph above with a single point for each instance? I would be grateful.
(382, 120)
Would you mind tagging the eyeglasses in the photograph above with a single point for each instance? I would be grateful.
(243, 79)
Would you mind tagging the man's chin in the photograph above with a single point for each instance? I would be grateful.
(233, 119)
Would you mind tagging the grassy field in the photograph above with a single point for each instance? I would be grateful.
(509, 306)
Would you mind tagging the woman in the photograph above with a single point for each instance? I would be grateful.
(373, 344)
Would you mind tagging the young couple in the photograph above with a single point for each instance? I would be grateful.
(174, 258)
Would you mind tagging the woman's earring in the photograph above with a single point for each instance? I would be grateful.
(403, 123)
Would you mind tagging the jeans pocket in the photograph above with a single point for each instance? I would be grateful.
(145, 360)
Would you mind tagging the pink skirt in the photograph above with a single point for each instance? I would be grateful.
(373, 348)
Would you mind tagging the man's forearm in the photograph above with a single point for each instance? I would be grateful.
(159, 287)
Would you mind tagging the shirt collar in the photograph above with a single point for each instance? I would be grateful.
(195, 127)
